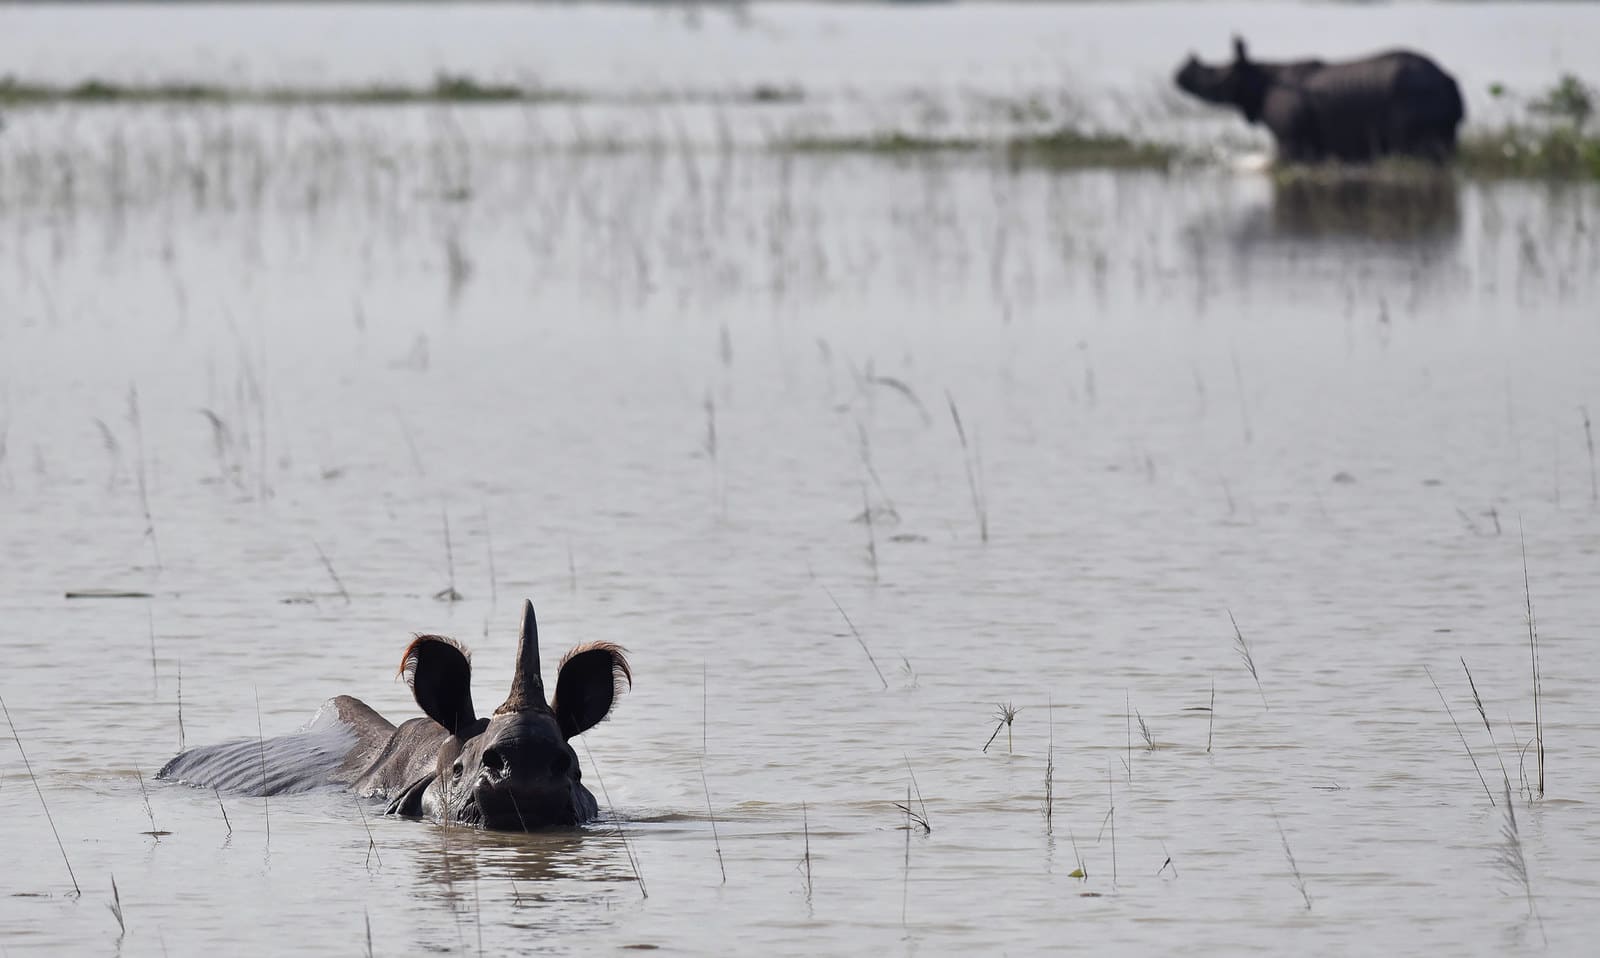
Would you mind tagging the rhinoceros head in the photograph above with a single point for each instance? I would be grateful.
(1241, 83)
(514, 770)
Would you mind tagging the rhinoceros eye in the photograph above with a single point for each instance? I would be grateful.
(455, 770)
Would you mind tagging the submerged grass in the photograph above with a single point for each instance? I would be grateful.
(1062, 148)
(446, 87)
(1510, 152)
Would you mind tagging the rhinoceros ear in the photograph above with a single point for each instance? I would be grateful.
(592, 676)
(1240, 54)
(440, 675)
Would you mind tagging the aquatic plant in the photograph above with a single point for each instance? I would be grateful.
(1570, 99)
(1063, 148)
(1560, 152)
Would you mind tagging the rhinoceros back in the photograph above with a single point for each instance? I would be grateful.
(319, 754)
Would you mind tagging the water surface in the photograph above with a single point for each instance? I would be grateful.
(655, 389)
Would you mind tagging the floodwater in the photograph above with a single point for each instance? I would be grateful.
(292, 372)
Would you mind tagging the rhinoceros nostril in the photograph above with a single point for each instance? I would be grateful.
(495, 761)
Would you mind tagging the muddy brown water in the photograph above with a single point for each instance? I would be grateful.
(654, 390)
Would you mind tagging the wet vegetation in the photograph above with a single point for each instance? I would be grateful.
(446, 88)
(1553, 139)
(1064, 148)
(1522, 151)
(454, 88)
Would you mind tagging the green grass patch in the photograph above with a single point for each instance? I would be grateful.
(446, 88)
(1556, 152)
(1072, 149)
(883, 144)
(1060, 149)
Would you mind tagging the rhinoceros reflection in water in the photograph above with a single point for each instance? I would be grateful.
(1392, 104)
(513, 770)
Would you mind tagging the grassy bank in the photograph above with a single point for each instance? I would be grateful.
(445, 88)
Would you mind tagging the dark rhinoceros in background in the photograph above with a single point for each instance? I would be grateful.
(513, 770)
(1392, 104)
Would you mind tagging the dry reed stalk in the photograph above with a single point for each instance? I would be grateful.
(805, 825)
(448, 593)
(1462, 735)
(1112, 816)
(1004, 715)
(716, 840)
(1243, 648)
(136, 421)
(1483, 714)
(149, 812)
(905, 884)
(261, 745)
(180, 705)
(974, 473)
(337, 582)
(116, 909)
(1533, 655)
(108, 440)
(1050, 767)
(1127, 721)
(627, 846)
(710, 447)
(921, 821)
(1294, 867)
(76, 891)
(1211, 717)
(1082, 871)
(224, 811)
(872, 537)
(1168, 863)
(372, 842)
(1588, 440)
(856, 632)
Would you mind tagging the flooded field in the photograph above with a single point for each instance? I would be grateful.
(1203, 477)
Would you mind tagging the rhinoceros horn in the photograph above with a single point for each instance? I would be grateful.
(527, 685)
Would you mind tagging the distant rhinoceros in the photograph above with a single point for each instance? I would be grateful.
(513, 770)
(1392, 104)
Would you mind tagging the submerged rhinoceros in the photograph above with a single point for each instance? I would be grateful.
(513, 770)
(1392, 104)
